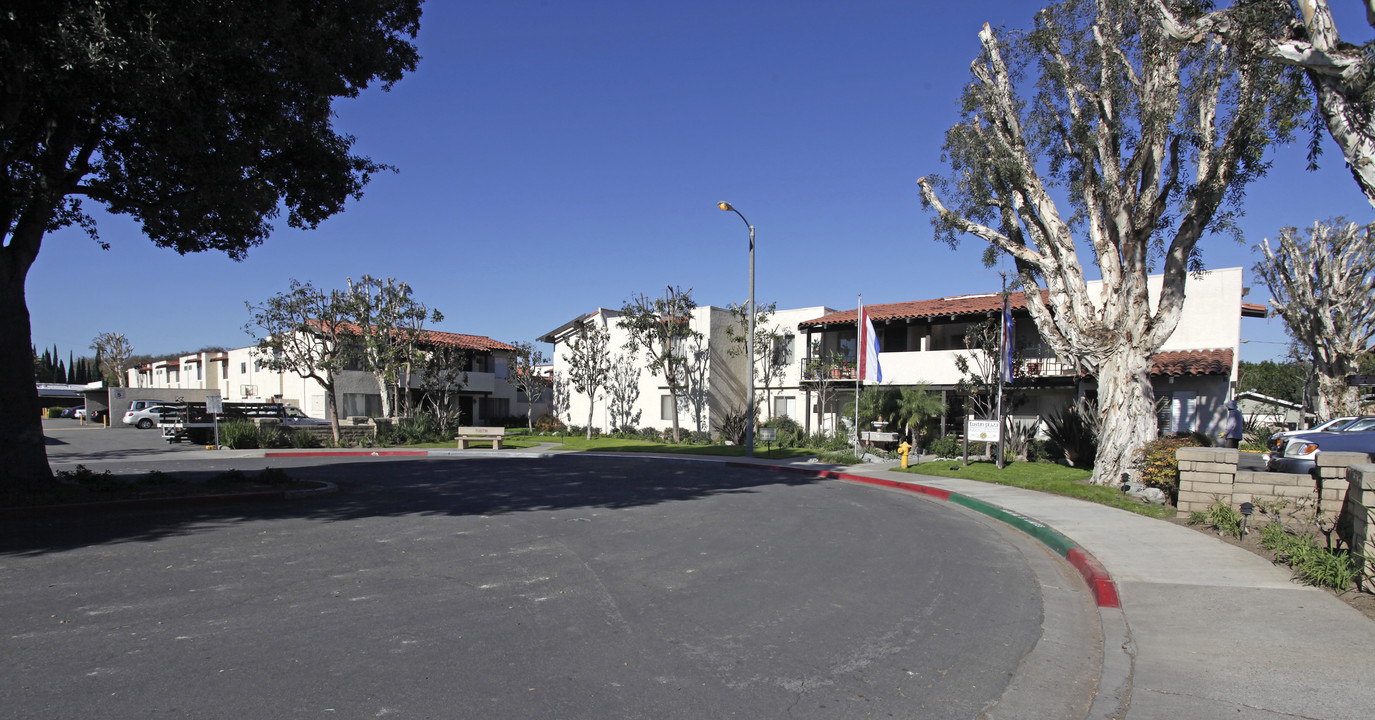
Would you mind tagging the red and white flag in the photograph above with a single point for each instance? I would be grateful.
(869, 369)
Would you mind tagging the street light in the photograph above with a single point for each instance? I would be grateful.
(749, 341)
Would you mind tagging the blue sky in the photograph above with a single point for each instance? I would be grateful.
(559, 156)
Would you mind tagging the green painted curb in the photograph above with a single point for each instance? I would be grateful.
(1054, 540)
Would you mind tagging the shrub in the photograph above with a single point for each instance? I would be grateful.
(790, 433)
(271, 436)
(1075, 431)
(1159, 465)
(302, 439)
(1040, 451)
(229, 477)
(947, 447)
(274, 476)
(840, 458)
(239, 435)
(98, 481)
(414, 430)
(53, 413)
(548, 424)
(733, 424)
(1225, 519)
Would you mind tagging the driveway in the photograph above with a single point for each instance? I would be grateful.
(503, 588)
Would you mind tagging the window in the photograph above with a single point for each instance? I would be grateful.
(362, 405)
(243, 367)
(783, 350)
(666, 410)
(785, 407)
(496, 408)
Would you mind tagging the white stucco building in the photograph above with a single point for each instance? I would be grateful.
(238, 376)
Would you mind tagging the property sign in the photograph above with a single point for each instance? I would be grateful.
(982, 430)
(768, 434)
(214, 404)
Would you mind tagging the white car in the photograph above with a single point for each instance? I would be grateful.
(147, 417)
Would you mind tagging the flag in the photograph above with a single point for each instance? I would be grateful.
(1007, 342)
(868, 349)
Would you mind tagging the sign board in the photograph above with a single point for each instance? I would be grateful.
(214, 404)
(768, 434)
(878, 436)
(982, 430)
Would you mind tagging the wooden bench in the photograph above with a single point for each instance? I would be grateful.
(480, 434)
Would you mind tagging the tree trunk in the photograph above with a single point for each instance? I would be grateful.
(1335, 397)
(591, 406)
(1126, 412)
(22, 453)
(384, 392)
(332, 407)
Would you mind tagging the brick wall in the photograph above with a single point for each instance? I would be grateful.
(1358, 515)
(1205, 474)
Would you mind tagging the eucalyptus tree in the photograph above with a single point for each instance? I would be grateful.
(1302, 35)
(1322, 282)
(201, 121)
(589, 363)
(1096, 132)
(113, 351)
(308, 332)
(662, 327)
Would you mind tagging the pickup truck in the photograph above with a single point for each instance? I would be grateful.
(191, 422)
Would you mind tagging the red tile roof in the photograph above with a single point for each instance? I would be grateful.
(1192, 362)
(959, 305)
(464, 342)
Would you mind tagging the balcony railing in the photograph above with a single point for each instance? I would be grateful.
(933, 366)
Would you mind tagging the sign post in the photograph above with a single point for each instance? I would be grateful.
(214, 404)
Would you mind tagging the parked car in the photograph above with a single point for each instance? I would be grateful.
(147, 417)
(79, 413)
(71, 411)
(1300, 452)
(1278, 440)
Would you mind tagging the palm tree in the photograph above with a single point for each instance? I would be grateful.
(915, 404)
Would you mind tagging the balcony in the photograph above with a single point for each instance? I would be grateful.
(937, 367)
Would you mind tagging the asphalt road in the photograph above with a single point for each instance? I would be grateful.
(560, 588)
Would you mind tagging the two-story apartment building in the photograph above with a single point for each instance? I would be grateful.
(716, 363)
(1193, 374)
(919, 341)
(238, 375)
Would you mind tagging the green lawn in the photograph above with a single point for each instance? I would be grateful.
(1044, 477)
(571, 442)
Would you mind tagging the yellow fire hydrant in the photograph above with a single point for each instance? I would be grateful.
(903, 449)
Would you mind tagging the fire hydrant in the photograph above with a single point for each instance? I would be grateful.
(903, 449)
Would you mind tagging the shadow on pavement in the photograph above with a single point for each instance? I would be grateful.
(370, 489)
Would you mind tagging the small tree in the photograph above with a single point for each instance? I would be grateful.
(661, 327)
(770, 365)
(442, 375)
(307, 332)
(696, 377)
(623, 392)
(525, 376)
(113, 351)
(1323, 285)
(589, 367)
(916, 404)
(389, 324)
(819, 369)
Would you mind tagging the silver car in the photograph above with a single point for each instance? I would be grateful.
(1300, 452)
(147, 417)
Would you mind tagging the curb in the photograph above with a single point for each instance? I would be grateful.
(1099, 581)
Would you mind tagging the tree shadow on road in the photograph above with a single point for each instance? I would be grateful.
(394, 488)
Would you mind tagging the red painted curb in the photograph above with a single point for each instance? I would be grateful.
(348, 453)
(1096, 576)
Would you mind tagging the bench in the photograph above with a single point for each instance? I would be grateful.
(480, 434)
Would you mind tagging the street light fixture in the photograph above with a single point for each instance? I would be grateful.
(749, 340)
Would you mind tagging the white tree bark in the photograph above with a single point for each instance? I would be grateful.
(1115, 126)
(1324, 288)
(1338, 71)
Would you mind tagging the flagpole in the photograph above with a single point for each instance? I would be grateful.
(859, 368)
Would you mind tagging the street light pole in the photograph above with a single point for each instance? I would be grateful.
(749, 341)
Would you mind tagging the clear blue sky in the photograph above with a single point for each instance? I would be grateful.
(559, 156)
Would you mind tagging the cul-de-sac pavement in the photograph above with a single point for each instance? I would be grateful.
(525, 584)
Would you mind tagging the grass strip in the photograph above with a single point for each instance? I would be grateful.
(1042, 477)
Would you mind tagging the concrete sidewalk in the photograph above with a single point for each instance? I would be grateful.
(1206, 629)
